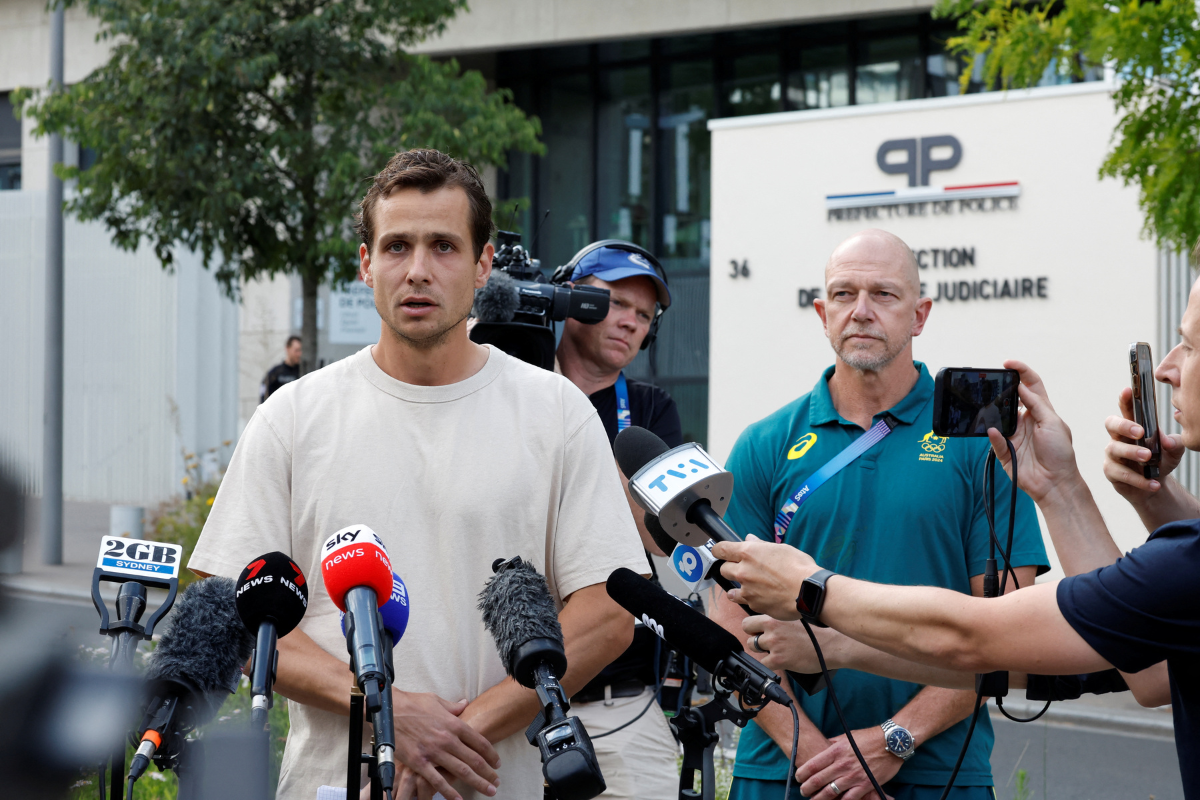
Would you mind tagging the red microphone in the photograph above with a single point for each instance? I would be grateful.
(355, 557)
(358, 578)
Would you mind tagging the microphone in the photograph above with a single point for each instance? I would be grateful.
(358, 578)
(394, 612)
(271, 600)
(688, 491)
(197, 663)
(684, 487)
(708, 644)
(498, 299)
(693, 565)
(520, 615)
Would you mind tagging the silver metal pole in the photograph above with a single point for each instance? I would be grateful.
(52, 443)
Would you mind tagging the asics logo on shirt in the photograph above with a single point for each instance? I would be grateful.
(801, 446)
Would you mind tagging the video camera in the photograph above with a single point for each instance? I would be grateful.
(517, 308)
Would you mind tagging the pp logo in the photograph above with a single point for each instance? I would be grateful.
(649, 622)
(687, 563)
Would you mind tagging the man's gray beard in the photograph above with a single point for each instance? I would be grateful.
(865, 360)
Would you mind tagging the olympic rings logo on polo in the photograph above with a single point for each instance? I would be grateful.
(802, 446)
(687, 563)
(932, 443)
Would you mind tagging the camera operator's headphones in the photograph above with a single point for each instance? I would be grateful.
(563, 274)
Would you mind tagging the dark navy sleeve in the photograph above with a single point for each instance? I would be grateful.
(1145, 607)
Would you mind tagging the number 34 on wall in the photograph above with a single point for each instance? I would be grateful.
(739, 270)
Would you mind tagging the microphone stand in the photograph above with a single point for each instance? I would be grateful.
(126, 633)
(696, 729)
(379, 739)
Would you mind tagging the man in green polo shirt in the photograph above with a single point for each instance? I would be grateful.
(907, 511)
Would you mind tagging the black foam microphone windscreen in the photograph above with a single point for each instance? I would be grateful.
(272, 588)
(660, 536)
(206, 644)
(517, 608)
(680, 625)
(498, 299)
(636, 447)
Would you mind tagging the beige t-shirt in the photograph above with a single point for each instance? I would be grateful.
(511, 461)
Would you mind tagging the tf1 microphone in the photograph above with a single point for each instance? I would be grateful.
(498, 299)
(197, 663)
(684, 487)
(520, 615)
(708, 644)
(271, 600)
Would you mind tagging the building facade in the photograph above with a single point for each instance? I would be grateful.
(699, 129)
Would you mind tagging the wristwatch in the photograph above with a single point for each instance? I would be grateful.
(812, 597)
(898, 740)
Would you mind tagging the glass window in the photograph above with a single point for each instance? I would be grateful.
(822, 79)
(753, 85)
(625, 159)
(944, 70)
(10, 146)
(888, 70)
(565, 173)
(623, 51)
(685, 105)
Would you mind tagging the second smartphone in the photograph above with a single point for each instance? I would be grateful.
(1145, 406)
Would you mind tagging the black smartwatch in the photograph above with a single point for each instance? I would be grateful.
(812, 597)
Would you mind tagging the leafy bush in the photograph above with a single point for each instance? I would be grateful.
(179, 521)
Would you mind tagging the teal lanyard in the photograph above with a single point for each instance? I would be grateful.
(856, 448)
(623, 420)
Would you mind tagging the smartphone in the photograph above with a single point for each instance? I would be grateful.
(967, 401)
(1145, 404)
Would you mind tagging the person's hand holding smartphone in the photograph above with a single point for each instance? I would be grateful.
(1139, 455)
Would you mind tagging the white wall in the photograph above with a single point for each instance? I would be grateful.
(508, 24)
(150, 360)
(771, 175)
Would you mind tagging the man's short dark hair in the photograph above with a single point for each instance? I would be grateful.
(292, 338)
(427, 171)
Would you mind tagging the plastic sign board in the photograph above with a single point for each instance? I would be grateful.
(139, 558)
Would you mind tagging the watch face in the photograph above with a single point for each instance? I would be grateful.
(899, 741)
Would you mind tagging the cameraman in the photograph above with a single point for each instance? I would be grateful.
(639, 760)
(1132, 612)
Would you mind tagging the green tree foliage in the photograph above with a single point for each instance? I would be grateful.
(1154, 50)
(244, 129)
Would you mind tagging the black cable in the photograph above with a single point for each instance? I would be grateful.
(129, 788)
(962, 753)
(838, 708)
(103, 769)
(787, 790)
(1000, 705)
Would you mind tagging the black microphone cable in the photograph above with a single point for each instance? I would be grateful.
(1006, 552)
(661, 674)
(990, 481)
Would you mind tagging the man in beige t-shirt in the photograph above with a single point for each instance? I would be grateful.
(456, 455)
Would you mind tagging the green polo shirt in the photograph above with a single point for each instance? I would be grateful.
(909, 511)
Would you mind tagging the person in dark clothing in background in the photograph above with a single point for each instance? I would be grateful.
(639, 761)
(285, 372)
